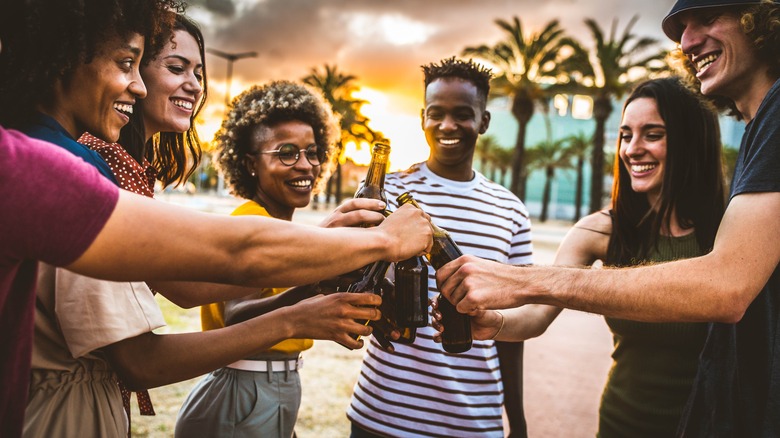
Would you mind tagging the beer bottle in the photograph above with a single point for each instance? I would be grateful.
(388, 307)
(456, 337)
(374, 185)
(411, 293)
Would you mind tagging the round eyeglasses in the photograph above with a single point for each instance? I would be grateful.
(289, 154)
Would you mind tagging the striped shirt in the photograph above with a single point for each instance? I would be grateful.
(421, 390)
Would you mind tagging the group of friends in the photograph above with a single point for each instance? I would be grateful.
(97, 102)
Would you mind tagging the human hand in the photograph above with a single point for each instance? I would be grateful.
(336, 316)
(474, 284)
(485, 324)
(355, 212)
(408, 231)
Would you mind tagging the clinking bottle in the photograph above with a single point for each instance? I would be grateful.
(456, 337)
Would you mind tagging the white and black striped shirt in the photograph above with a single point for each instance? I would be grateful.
(421, 390)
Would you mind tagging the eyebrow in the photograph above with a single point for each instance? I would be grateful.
(647, 126)
(183, 59)
(135, 49)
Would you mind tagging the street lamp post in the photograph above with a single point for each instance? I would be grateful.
(230, 58)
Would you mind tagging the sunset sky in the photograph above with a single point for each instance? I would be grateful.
(383, 43)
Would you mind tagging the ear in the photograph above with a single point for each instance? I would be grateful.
(485, 122)
(250, 161)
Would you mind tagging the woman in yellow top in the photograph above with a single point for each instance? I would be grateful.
(274, 149)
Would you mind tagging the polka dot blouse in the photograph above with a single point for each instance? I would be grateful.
(131, 176)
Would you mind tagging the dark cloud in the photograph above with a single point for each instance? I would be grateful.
(292, 36)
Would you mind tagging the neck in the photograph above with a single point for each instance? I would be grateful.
(462, 172)
(750, 99)
(63, 119)
(276, 210)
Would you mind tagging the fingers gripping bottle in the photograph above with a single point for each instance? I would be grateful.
(456, 337)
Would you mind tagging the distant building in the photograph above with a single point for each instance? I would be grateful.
(569, 115)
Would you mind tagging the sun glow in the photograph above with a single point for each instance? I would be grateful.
(403, 129)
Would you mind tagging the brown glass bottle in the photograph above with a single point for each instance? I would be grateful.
(456, 337)
(411, 293)
(374, 185)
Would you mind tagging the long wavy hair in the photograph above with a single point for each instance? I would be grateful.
(693, 187)
(45, 41)
(174, 155)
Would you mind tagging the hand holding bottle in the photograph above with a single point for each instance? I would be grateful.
(355, 212)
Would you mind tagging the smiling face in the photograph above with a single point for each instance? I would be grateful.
(174, 83)
(643, 147)
(99, 96)
(725, 60)
(281, 188)
(452, 120)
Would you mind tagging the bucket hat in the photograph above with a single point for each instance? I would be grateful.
(671, 24)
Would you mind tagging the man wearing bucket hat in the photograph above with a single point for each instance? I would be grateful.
(732, 50)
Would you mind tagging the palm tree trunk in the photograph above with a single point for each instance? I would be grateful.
(549, 174)
(602, 107)
(338, 184)
(578, 189)
(523, 110)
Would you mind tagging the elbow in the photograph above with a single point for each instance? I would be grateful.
(135, 378)
(731, 309)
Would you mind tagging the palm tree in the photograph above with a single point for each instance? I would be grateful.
(501, 162)
(337, 88)
(615, 61)
(578, 146)
(525, 64)
(549, 155)
(486, 144)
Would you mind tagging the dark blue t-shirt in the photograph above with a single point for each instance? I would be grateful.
(46, 128)
(737, 389)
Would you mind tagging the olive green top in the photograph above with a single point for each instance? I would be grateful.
(653, 366)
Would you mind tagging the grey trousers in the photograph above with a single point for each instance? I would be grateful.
(235, 403)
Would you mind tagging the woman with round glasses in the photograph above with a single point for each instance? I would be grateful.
(274, 148)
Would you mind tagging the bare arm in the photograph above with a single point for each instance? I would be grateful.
(173, 358)
(246, 250)
(585, 243)
(718, 286)
(242, 309)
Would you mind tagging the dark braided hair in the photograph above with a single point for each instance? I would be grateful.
(44, 41)
(467, 70)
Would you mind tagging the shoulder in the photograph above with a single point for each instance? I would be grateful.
(586, 241)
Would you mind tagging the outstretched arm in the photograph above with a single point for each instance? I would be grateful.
(718, 286)
(173, 358)
(175, 243)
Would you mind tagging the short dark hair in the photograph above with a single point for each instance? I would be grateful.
(693, 187)
(44, 41)
(268, 105)
(174, 155)
(456, 68)
(761, 23)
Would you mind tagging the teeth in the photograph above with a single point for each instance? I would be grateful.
(302, 184)
(705, 62)
(182, 103)
(640, 168)
(123, 107)
(449, 141)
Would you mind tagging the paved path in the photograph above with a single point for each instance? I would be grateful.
(564, 369)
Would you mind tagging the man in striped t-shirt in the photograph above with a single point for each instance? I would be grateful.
(420, 390)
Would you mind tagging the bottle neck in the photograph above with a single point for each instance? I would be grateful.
(376, 171)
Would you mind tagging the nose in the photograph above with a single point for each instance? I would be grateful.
(691, 38)
(303, 162)
(193, 85)
(635, 148)
(448, 124)
(137, 87)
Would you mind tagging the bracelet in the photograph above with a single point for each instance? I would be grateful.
(502, 325)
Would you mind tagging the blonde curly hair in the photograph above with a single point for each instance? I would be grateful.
(267, 105)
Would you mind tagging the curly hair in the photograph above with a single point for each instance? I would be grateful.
(44, 41)
(467, 70)
(761, 24)
(174, 155)
(268, 105)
